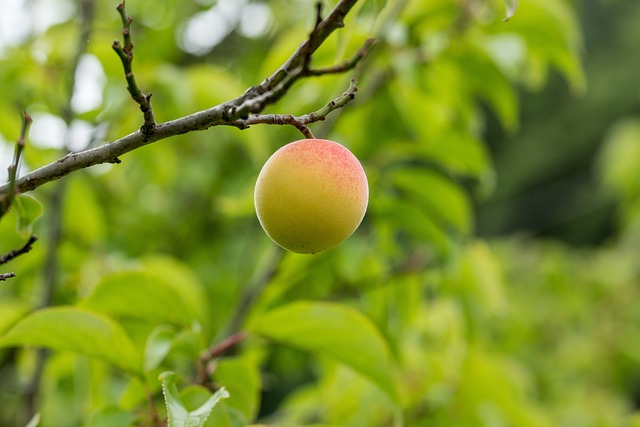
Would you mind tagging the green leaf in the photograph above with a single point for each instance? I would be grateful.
(335, 331)
(510, 6)
(619, 159)
(12, 310)
(441, 198)
(83, 216)
(486, 81)
(139, 295)
(399, 215)
(157, 347)
(112, 416)
(242, 377)
(34, 421)
(28, 210)
(77, 330)
(177, 412)
(182, 279)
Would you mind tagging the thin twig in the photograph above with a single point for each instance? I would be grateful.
(224, 346)
(301, 122)
(125, 52)
(5, 276)
(17, 252)
(206, 363)
(5, 202)
(360, 54)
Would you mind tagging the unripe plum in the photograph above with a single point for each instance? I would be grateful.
(311, 195)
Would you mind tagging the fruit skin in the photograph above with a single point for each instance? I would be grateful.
(311, 195)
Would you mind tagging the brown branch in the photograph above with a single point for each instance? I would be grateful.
(125, 52)
(224, 346)
(206, 366)
(17, 252)
(362, 53)
(301, 122)
(253, 101)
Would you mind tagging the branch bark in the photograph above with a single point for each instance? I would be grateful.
(253, 101)
(17, 252)
(301, 122)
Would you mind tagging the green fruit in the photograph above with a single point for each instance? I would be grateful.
(311, 195)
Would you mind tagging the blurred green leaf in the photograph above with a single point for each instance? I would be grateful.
(511, 6)
(332, 330)
(242, 378)
(184, 281)
(401, 216)
(442, 199)
(78, 330)
(111, 416)
(11, 310)
(551, 33)
(28, 210)
(139, 295)
(157, 347)
(178, 413)
(620, 159)
(486, 81)
(82, 213)
(34, 421)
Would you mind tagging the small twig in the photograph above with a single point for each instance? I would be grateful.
(301, 122)
(5, 202)
(125, 52)
(362, 53)
(307, 55)
(205, 365)
(224, 346)
(17, 252)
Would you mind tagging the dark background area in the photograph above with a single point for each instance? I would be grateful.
(547, 173)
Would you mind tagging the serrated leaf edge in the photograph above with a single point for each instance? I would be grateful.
(177, 414)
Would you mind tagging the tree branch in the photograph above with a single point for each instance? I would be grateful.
(17, 252)
(125, 52)
(301, 122)
(347, 65)
(205, 365)
(5, 276)
(253, 101)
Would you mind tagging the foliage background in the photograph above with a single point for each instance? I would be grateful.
(494, 281)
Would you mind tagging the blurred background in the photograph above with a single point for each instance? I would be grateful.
(498, 259)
